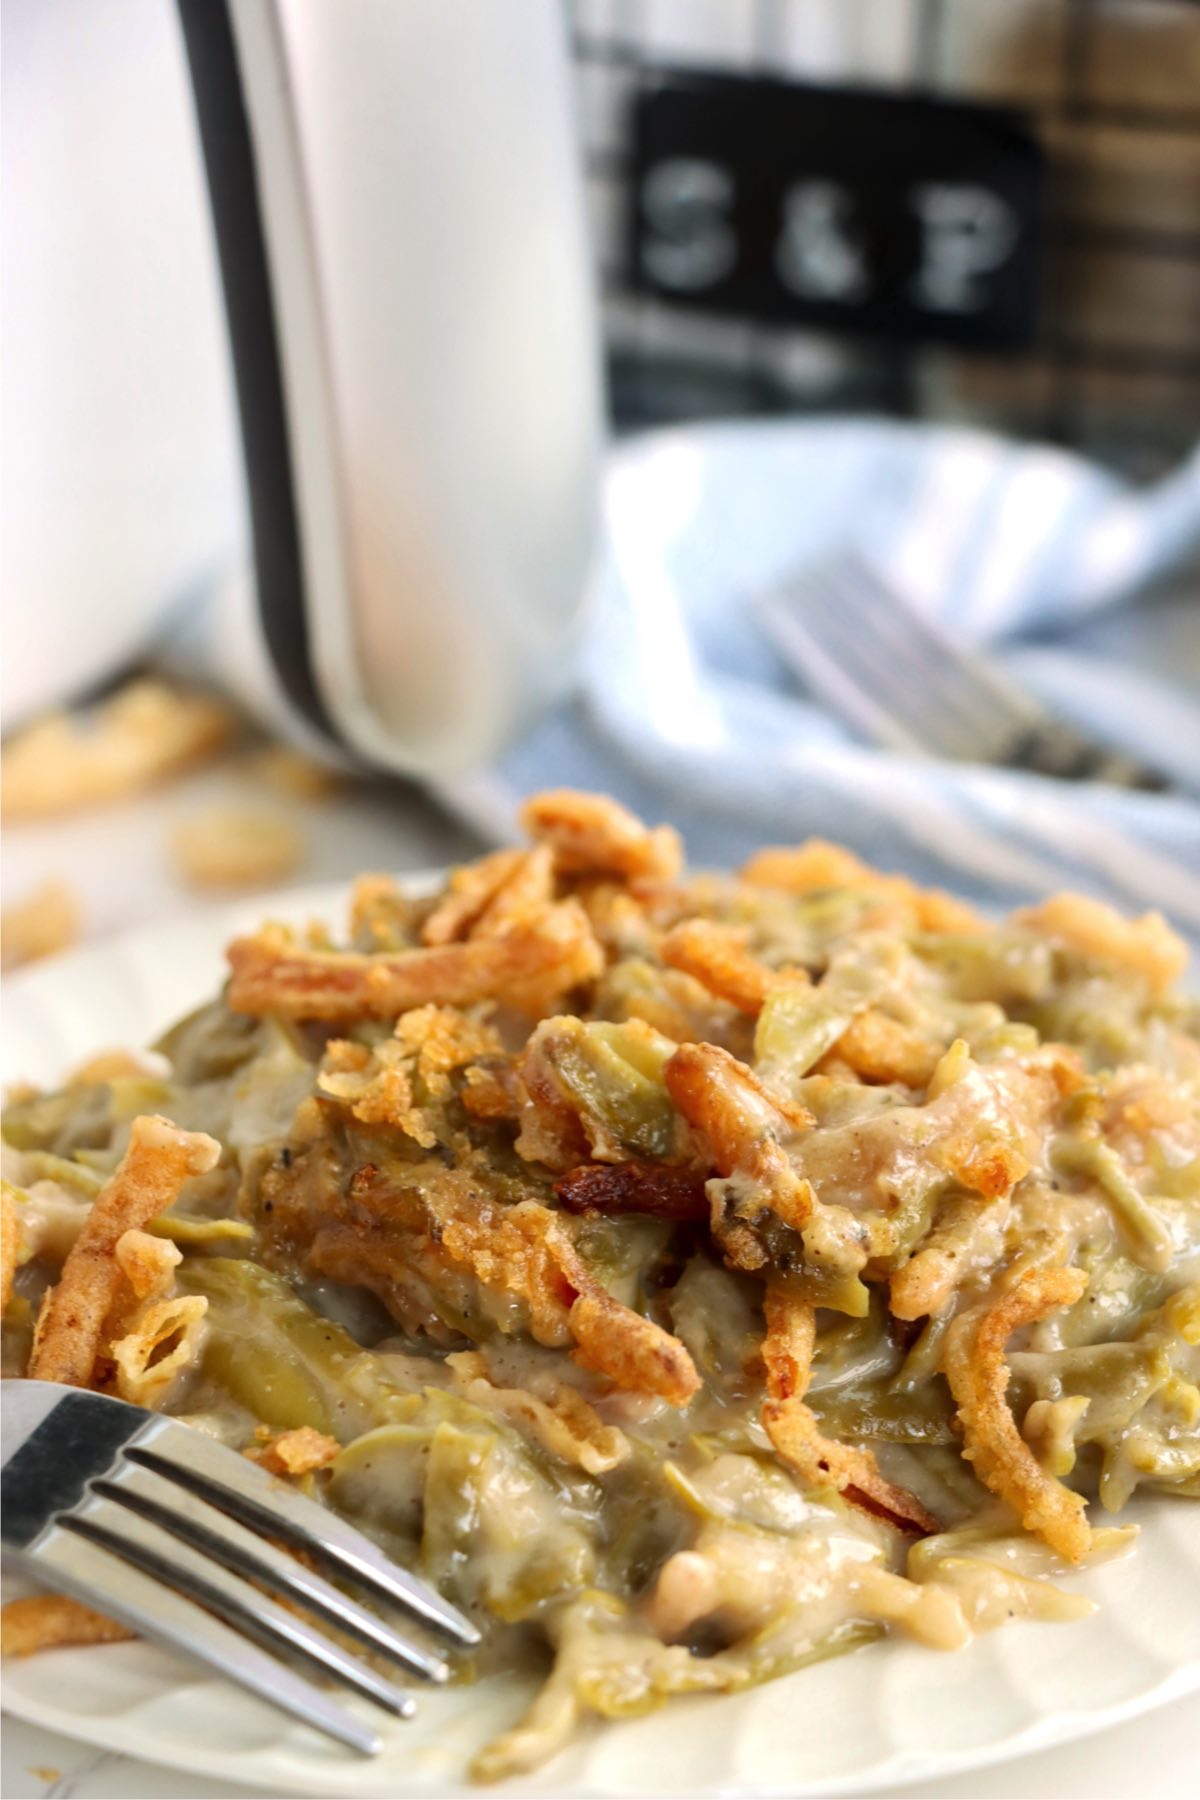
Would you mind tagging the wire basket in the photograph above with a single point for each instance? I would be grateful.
(1109, 93)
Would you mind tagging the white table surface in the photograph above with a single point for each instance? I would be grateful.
(118, 858)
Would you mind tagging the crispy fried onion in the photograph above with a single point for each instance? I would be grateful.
(542, 1263)
(978, 1374)
(274, 971)
(49, 1621)
(551, 1412)
(147, 1180)
(1146, 945)
(388, 1084)
(745, 1126)
(795, 1434)
(148, 1263)
(296, 1452)
(492, 1089)
(816, 864)
(163, 1341)
(236, 847)
(880, 1049)
(46, 921)
(591, 834)
(483, 898)
(665, 1190)
(382, 915)
(439, 1242)
(144, 733)
(10, 1243)
(968, 1226)
(716, 956)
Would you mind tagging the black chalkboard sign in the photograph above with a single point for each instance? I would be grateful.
(904, 218)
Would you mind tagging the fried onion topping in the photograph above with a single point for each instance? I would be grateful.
(978, 1375)
(148, 1180)
(50, 1621)
(275, 973)
(797, 1438)
(744, 1125)
(591, 834)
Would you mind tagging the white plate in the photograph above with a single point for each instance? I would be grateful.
(891, 1713)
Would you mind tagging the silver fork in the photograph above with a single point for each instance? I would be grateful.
(176, 1536)
(895, 678)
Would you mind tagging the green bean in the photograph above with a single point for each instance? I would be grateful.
(615, 1073)
(1150, 1241)
(285, 1364)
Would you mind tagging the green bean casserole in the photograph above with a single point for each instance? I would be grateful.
(691, 1275)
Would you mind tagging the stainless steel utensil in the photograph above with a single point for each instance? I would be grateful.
(894, 677)
(176, 1536)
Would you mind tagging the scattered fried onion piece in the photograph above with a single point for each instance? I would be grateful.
(591, 834)
(144, 733)
(525, 890)
(290, 772)
(1147, 945)
(795, 1434)
(632, 1351)
(978, 1374)
(107, 1066)
(274, 972)
(48, 1621)
(297, 1452)
(48, 921)
(160, 1158)
(665, 1190)
(236, 847)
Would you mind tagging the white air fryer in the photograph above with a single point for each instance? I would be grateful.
(299, 360)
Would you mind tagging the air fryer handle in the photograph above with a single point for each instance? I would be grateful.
(228, 150)
(398, 208)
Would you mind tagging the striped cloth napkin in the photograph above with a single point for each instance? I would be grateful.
(1085, 588)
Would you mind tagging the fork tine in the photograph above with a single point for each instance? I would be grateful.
(889, 669)
(835, 626)
(188, 1517)
(982, 694)
(920, 677)
(821, 656)
(897, 678)
(148, 1547)
(939, 666)
(90, 1573)
(247, 1493)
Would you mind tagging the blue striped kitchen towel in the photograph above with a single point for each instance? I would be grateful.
(1085, 587)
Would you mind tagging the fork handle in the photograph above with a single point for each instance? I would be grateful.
(1059, 751)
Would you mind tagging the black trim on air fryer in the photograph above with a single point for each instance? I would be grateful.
(228, 148)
